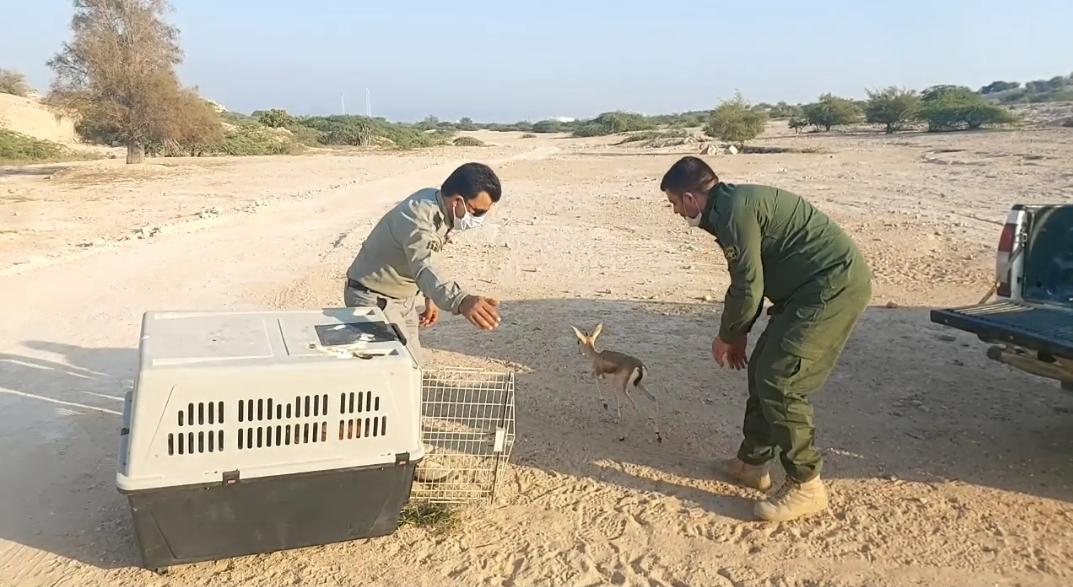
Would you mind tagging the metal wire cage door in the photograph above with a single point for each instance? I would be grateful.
(467, 426)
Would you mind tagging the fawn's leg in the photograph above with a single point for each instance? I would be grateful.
(596, 377)
(620, 389)
(655, 410)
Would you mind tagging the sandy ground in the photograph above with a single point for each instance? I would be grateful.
(944, 468)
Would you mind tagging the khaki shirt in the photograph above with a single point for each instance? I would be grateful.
(397, 259)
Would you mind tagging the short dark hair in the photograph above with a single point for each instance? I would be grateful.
(688, 174)
(471, 179)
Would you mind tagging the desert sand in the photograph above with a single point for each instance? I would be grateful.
(944, 468)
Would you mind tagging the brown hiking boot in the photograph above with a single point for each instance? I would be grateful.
(751, 476)
(793, 500)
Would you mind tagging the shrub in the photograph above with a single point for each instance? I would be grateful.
(258, 140)
(954, 107)
(305, 135)
(999, 86)
(610, 123)
(468, 142)
(891, 107)
(832, 111)
(797, 123)
(19, 147)
(274, 118)
(466, 124)
(529, 135)
(735, 122)
(364, 131)
(13, 82)
(548, 126)
(652, 135)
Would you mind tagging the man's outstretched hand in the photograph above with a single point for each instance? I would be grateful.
(481, 312)
(430, 316)
(733, 354)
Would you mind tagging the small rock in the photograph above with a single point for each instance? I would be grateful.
(708, 297)
(959, 362)
(48, 177)
(947, 338)
(688, 267)
(732, 150)
(605, 291)
(892, 305)
(890, 478)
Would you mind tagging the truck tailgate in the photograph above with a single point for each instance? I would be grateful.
(1034, 327)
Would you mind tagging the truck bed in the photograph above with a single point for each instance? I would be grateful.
(1031, 326)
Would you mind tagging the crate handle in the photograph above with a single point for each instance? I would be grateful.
(398, 333)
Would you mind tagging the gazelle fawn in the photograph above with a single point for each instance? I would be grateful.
(625, 372)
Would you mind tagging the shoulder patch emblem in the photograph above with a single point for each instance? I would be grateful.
(731, 253)
(433, 246)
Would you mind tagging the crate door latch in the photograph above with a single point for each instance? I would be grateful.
(500, 440)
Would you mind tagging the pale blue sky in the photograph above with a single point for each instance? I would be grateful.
(506, 61)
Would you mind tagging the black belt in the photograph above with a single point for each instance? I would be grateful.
(354, 284)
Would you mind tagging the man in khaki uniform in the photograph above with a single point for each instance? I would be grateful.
(397, 259)
(777, 246)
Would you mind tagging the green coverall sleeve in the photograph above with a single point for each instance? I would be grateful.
(740, 239)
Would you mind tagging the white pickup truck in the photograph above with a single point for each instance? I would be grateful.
(1029, 322)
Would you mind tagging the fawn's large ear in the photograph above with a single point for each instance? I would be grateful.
(596, 331)
(580, 335)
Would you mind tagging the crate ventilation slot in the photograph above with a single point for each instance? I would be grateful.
(260, 410)
(282, 435)
(201, 413)
(188, 443)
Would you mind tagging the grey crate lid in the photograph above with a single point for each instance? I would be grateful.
(190, 339)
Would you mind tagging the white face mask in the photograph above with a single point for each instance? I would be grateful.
(693, 221)
(468, 221)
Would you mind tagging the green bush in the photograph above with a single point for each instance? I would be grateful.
(832, 111)
(954, 107)
(305, 135)
(19, 147)
(796, 123)
(274, 118)
(610, 123)
(652, 135)
(363, 131)
(258, 140)
(892, 108)
(548, 126)
(736, 122)
(468, 142)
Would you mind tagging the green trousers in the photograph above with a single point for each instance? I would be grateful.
(791, 361)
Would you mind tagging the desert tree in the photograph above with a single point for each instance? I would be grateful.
(118, 71)
(892, 107)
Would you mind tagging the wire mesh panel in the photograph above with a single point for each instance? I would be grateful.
(467, 426)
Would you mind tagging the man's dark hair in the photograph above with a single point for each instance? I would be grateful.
(688, 174)
(471, 179)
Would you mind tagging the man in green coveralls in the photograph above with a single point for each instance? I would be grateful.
(777, 246)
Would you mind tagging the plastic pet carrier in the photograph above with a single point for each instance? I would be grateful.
(250, 432)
